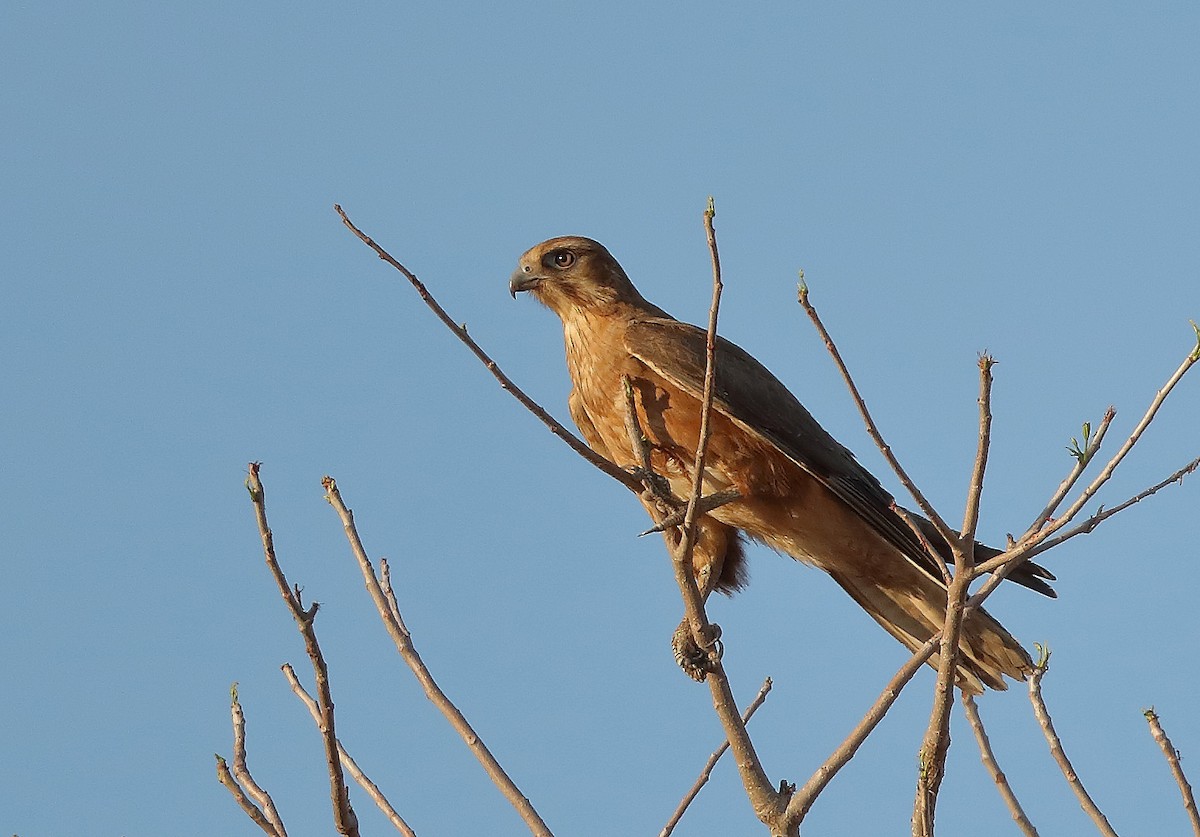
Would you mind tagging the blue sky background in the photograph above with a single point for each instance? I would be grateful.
(179, 299)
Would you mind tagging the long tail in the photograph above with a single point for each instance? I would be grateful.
(912, 615)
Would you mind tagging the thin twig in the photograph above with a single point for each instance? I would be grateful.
(1056, 749)
(348, 762)
(403, 642)
(803, 799)
(240, 783)
(706, 771)
(1082, 457)
(506, 383)
(1034, 543)
(688, 541)
(343, 813)
(936, 744)
(993, 768)
(1160, 735)
(243, 801)
(385, 582)
(1102, 515)
(911, 522)
(704, 505)
(872, 429)
(1134, 435)
(975, 490)
(768, 804)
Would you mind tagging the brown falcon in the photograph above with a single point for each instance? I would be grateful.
(801, 492)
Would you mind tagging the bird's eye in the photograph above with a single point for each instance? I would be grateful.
(563, 258)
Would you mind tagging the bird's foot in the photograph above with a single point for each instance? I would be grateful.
(656, 485)
(696, 661)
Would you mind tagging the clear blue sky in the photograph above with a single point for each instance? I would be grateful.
(179, 299)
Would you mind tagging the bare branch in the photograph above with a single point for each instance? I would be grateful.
(506, 383)
(240, 783)
(767, 803)
(1056, 749)
(975, 490)
(243, 801)
(1101, 478)
(1189, 801)
(706, 771)
(403, 642)
(349, 763)
(1083, 456)
(936, 744)
(385, 583)
(872, 429)
(343, 813)
(1036, 542)
(993, 768)
(803, 799)
(938, 561)
(1102, 514)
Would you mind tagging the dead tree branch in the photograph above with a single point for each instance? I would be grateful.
(993, 767)
(803, 799)
(768, 804)
(1056, 748)
(706, 771)
(240, 783)
(343, 814)
(506, 383)
(384, 602)
(936, 744)
(872, 429)
(348, 762)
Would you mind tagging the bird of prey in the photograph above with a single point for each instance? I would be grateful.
(801, 492)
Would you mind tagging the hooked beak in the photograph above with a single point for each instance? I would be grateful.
(523, 279)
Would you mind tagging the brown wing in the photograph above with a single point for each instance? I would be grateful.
(748, 393)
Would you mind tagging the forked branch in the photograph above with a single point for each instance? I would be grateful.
(348, 761)
(249, 795)
(343, 814)
(384, 598)
(706, 771)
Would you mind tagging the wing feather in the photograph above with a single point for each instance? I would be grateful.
(747, 392)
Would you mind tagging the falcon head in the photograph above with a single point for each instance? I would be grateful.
(572, 272)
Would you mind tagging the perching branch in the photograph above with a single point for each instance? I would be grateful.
(241, 784)
(706, 771)
(993, 768)
(385, 603)
(348, 762)
(783, 810)
(506, 383)
(1189, 801)
(1056, 749)
(343, 814)
(768, 803)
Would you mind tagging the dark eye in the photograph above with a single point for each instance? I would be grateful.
(563, 258)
